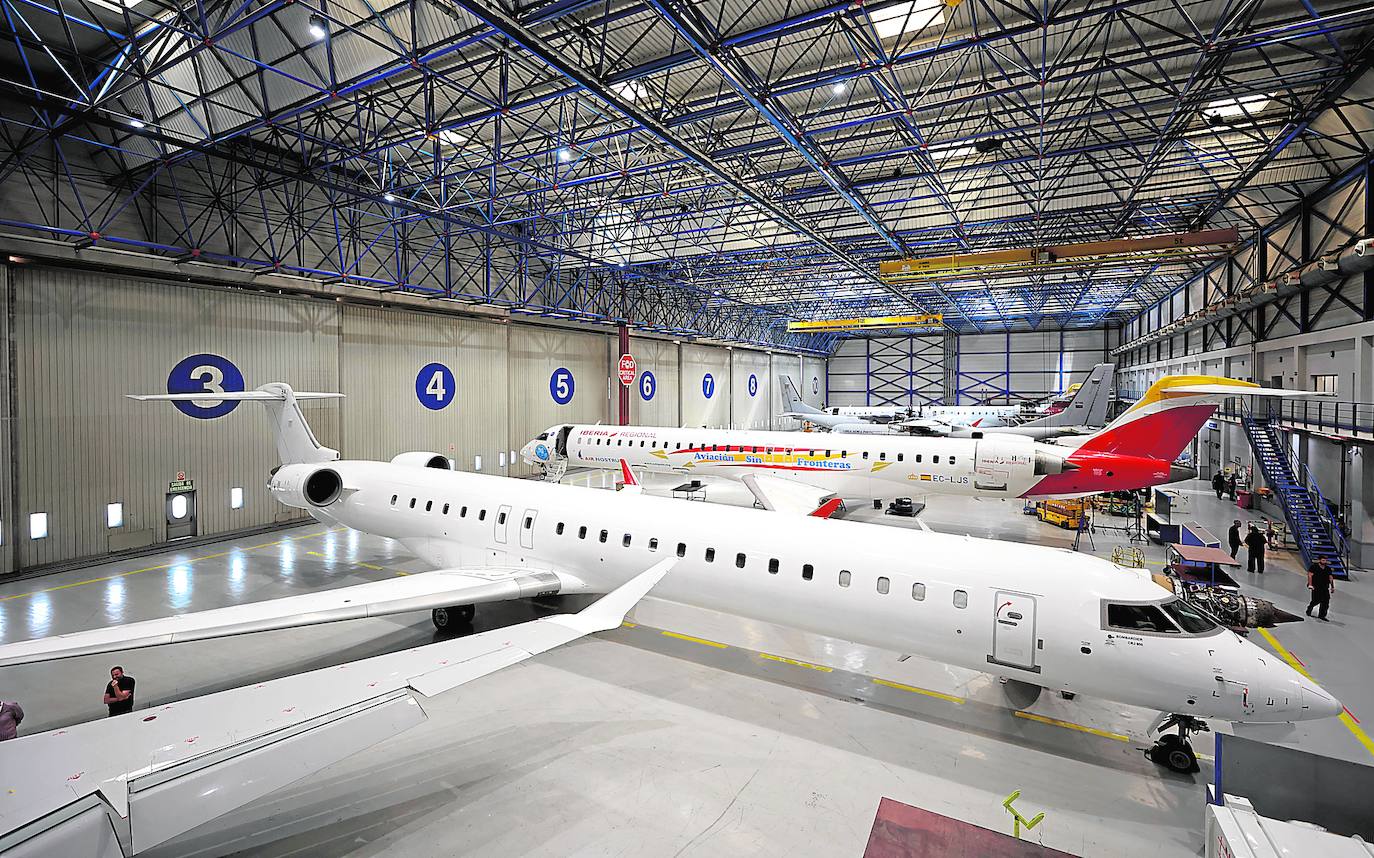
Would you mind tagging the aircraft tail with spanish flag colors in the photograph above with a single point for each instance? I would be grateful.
(1170, 414)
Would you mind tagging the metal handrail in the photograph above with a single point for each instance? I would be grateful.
(1303, 476)
(1322, 413)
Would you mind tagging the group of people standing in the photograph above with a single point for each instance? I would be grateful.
(119, 700)
(1225, 484)
(1319, 578)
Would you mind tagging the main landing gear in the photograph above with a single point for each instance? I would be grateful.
(1172, 750)
(453, 617)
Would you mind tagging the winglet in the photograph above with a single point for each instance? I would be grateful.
(609, 611)
(631, 482)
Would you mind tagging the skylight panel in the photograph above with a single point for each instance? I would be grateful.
(910, 17)
(1246, 105)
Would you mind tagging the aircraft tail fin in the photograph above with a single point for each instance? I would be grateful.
(1088, 407)
(296, 444)
(792, 402)
(1169, 415)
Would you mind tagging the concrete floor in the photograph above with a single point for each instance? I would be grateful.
(721, 737)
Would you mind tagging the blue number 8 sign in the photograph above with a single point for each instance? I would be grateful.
(205, 373)
(753, 385)
(561, 385)
(648, 385)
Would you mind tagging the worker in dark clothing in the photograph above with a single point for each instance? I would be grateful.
(11, 714)
(1218, 484)
(1233, 537)
(1322, 585)
(1231, 484)
(1254, 544)
(119, 693)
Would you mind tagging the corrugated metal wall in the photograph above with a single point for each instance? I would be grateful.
(535, 354)
(697, 408)
(85, 339)
(81, 340)
(751, 406)
(659, 358)
(381, 355)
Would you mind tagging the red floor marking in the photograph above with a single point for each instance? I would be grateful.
(903, 831)
(1351, 714)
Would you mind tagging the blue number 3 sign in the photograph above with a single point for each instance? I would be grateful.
(205, 373)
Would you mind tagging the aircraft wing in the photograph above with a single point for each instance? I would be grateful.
(118, 786)
(924, 426)
(420, 592)
(788, 495)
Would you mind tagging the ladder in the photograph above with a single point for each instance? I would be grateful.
(554, 471)
(1303, 505)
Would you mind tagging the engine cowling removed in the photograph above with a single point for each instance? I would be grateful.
(423, 460)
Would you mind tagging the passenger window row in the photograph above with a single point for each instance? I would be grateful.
(462, 512)
(746, 448)
(808, 571)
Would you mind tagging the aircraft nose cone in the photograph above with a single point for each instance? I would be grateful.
(1178, 473)
(1320, 704)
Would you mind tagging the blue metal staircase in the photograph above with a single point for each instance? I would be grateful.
(1303, 505)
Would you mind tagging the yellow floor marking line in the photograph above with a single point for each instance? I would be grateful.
(84, 583)
(795, 663)
(1345, 717)
(629, 625)
(314, 554)
(702, 641)
(918, 690)
(1071, 726)
(370, 566)
(167, 566)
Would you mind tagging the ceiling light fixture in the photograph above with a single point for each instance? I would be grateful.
(1242, 106)
(564, 154)
(840, 88)
(319, 28)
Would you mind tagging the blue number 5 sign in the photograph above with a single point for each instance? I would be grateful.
(562, 385)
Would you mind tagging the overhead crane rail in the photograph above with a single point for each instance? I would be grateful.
(1190, 246)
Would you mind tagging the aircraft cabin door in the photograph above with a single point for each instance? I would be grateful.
(988, 476)
(1013, 631)
(502, 523)
(181, 515)
(527, 528)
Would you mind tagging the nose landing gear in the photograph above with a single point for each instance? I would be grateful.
(1173, 751)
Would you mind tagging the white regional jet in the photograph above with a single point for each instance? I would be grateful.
(1087, 409)
(1048, 617)
(798, 471)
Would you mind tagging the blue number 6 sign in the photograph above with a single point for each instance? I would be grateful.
(647, 385)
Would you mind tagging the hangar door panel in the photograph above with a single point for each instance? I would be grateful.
(1013, 631)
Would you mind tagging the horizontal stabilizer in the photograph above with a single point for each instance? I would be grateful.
(231, 395)
(140, 780)
(1228, 390)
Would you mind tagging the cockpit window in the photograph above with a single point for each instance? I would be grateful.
(543, 436)
(1189, 618)
(1139, 618)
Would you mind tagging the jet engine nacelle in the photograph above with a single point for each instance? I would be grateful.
(1017, 457)
(306, 486)
(423, 460)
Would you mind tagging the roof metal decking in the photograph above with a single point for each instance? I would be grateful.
(717, 168)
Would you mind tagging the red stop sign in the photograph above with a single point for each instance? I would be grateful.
(627, 369)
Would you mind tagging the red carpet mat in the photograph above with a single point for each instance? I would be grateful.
(903, 831)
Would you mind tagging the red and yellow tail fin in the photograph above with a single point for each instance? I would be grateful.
(1167, 418)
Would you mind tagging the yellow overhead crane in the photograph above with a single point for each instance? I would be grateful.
(932, 321)
(995, 263)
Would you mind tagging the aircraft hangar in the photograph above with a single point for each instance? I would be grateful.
(874, 428)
